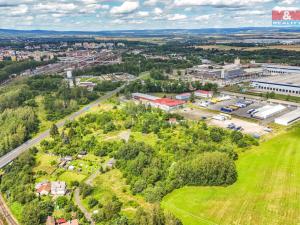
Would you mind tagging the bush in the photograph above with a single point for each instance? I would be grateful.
(205, 169)
(92, 202)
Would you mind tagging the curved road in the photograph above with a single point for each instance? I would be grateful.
(9, 157)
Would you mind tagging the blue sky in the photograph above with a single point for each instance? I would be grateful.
(96, 15)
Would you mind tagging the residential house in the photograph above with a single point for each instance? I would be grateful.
(43, 188)
(58, 188)
(71, 222)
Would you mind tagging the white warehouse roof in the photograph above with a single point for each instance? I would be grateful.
(269, 111)
(288, 118)
(145, 96)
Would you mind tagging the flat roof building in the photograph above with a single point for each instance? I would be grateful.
(289, 118)
(183, 96)
(226, 72)
(268, 111)
(284, 84)
(166, 104)
(273, 69)
(204, 94)
(141, 96)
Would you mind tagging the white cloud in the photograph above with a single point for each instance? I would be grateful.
(177, 17)
(252, 12)
(126, 7)
(54, 7)
(118, 21)
(155, 2)
(288, 2)
(151, 2)
(231, 3)
(279, 8)
(89, 1)
(203, 17)
(19, 10)
(57, 15)
(157, 11)
(143, 14)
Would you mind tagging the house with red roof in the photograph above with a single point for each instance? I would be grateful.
(61, 221)
(43, 188)
(71, 222)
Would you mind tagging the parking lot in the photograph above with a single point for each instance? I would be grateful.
(247, 126)
(243, 112)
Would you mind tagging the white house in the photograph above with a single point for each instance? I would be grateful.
(58, 188)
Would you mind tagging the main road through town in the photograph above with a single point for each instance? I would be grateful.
(9, 157)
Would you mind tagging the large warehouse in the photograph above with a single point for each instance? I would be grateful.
(272, 69)
(268, 111)
(289, 118)
(285, 84)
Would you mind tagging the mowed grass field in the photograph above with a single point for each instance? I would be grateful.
(267, 191)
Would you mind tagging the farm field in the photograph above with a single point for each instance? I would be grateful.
(267, 190)
(227, 47)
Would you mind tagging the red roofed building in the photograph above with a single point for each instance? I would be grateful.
(72, 222)
(203, 94)
(167, 104)
(43, 188)
(61, 221)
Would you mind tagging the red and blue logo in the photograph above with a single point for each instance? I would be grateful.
(286, 17)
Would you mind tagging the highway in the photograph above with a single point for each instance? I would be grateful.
(9, 157)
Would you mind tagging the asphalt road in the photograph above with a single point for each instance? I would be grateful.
(9, 157)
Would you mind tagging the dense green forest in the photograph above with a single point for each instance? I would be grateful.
(221, 56)
(19, 109)
(168, 86)
(7, 68)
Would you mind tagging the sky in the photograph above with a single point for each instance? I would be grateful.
(98, 15)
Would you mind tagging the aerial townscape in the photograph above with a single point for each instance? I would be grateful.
(148, 112)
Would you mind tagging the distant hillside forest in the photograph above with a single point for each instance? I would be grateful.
(8, 68)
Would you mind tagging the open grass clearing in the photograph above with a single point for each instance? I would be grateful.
(267, 190)
(44, 162)
(112, 183)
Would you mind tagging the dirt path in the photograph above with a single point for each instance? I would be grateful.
(87, 215)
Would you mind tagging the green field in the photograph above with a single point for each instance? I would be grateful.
(267, 190)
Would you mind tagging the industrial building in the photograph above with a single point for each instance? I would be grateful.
(284, 84)
(272, 69)
(226, 72)
(165, 104)
(289, 118)
(204, 94)
(268, 111)
(184, 96)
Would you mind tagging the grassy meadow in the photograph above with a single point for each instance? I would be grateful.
(267, 190)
